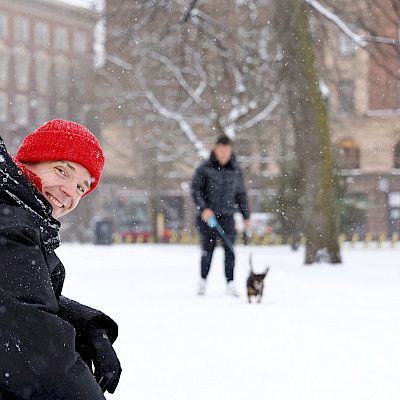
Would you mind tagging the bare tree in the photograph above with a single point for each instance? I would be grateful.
(310, 123)
(195, 70)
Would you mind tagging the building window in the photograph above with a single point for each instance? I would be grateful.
(3, 25)
(21, 29)
(42, 110)
(348, 154)
(353, 214)
(22, 69)
(21, 109)
(346, 96)
(396, 155)
(347, 48)
(61, 73)
(61, 109)
(42, 69)
(41, 34)
(80, 42)
(61, 39)
(3, 106)
(4, 63)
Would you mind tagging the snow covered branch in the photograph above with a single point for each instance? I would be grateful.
(183, 124)
(118, 62)
(194, 94)
(360, 41)
(232, 128)
(382, 40)
(262, 115)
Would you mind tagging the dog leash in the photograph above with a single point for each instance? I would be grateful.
(214, 224)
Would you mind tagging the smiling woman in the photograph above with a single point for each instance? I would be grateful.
(51, 342)
(63, 184)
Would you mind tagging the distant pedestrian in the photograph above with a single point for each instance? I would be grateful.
(218, 190)
(48, 342)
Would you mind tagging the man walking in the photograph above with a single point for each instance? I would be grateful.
(218, 190)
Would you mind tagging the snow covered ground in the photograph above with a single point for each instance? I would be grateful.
(323, 332)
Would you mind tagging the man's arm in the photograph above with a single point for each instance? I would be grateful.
(241, 198)
(199, 183)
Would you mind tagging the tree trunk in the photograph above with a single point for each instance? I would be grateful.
(310, 122)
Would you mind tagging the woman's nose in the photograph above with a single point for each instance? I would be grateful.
(68, 190)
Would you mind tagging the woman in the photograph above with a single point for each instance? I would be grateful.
(47, 341)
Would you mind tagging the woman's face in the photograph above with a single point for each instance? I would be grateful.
(63, 184)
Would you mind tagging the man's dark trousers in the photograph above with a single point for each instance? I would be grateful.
(209, 238)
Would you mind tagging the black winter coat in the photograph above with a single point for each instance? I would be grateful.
(40, 330)
(220, 188)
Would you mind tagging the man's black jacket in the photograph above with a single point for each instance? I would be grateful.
(220, 188)
(40, 330)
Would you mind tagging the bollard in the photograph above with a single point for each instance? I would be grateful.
(395, 239)
(117, 238)
(174, 238)
(185, 238)
(355, 238)
(140, 239)
(367, 240)
(381, 239)
(128, 239)
(195, 239)
(266, 240)
(254, 239)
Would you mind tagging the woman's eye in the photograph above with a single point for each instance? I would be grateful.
(61, 171)
(81, 189)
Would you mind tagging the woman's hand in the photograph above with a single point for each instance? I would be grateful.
(107, 368)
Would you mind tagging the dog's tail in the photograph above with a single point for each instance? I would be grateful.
(251, 262)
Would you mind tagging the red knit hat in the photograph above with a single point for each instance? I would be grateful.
(64, 141)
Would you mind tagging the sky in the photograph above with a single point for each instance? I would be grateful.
(85, 3)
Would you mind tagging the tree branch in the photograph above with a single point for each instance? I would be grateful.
(183, 124)
(338, 22)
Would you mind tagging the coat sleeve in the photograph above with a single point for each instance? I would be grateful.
(81, 317)
(199, 183)
(84, 319)
(241, 197)
(37, 346)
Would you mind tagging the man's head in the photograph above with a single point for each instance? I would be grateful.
(223, 150)
(67, 158)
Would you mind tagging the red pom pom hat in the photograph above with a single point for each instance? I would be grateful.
(60, 140)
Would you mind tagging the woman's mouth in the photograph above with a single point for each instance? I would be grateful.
(54, 201)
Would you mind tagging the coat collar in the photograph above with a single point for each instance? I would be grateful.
(215, 164)
(25, 194)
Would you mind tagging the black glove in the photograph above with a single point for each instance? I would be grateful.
(107, 368)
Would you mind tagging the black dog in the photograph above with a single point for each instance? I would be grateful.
(255, 283)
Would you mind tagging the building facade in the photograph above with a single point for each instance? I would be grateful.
(46, 63)
(364, 105)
